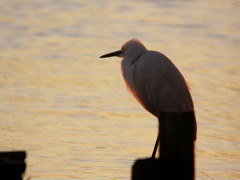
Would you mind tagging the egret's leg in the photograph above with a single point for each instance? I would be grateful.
(156, 146)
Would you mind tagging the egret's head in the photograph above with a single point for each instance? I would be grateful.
(130, 50)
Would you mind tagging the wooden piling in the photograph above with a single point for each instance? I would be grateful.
(12, 165)
(177, 144)
(176, 162)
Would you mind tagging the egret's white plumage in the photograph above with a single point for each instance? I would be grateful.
(153, 79)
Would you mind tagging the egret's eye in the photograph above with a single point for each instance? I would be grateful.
(123, 49)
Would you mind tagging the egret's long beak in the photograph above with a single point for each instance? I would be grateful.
(115, 53)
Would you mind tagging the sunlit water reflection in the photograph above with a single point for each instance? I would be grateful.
(72, 112)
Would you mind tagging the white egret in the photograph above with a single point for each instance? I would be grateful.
(154, 81)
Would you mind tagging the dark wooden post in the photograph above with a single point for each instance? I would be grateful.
(177, 131)
(12, 165)
(177, 144)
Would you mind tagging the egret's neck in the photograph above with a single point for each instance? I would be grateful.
(133, 57)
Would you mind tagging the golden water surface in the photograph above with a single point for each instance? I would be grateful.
(71, 111)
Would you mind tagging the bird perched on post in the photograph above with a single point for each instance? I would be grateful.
(154, 81)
